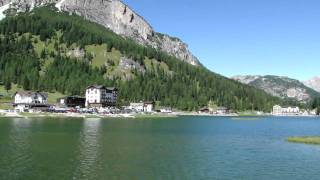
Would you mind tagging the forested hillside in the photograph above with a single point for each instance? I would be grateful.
(53, 51)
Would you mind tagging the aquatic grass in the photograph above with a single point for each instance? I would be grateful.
(305, 140)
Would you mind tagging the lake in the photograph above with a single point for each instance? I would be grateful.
(168, 148)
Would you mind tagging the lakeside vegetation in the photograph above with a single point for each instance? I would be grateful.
(33, 54)
(315, 104)
(305, 140)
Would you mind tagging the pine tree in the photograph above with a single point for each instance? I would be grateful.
(7, 86)
(43, 54)
(26, 83)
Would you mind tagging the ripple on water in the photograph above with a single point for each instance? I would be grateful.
(183, 148)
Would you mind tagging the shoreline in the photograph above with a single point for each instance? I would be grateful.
(76, 115)
(206, 114)
(152, 115)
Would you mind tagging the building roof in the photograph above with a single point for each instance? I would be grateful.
(222, 108)
(65, 97)
(102, 87)
(204, 109)
(96, 87)
(31, 93)
(149, 102)
(285, 107)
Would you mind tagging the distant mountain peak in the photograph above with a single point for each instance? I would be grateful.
(313, 83)
(280, 86)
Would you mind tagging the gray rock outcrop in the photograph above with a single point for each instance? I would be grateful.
(129, 64)
(283, 87)
(313, 83)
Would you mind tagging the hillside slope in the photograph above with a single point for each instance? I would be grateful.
(283, 87)
(53, 51)
(313, 83)
(118, 17)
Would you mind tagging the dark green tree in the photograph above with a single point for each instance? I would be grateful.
(7, 86)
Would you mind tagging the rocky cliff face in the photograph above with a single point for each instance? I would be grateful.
(283, 87)
(313, 83)
(118, 17)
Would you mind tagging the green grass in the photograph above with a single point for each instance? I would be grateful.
(40, 45)
(305, 140)
(52, 97)
(100, 55)
(7, 99)
(153, 64)
(8, 94)
(5, 105)
(124, 74)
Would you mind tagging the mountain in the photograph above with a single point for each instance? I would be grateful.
(313, 83)
(118, 17)
(283, 87)
(49, 50)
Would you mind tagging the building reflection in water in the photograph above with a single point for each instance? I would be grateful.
(89, 149)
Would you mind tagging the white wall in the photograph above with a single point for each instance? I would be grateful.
(18, 99)
(93, 96)
(137, 106)
(148, 108)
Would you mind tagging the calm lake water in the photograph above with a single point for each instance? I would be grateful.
(171, 148)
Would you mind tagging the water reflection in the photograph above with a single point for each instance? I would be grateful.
(184, 148)
(18, 154)
(89, 149)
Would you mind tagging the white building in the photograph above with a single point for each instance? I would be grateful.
(137, 106)
(278, 110)
(222, 110)
(142, 106)
(101, 96)
(148, 106)
(26, 99)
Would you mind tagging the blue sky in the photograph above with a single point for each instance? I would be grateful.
(239, 37)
